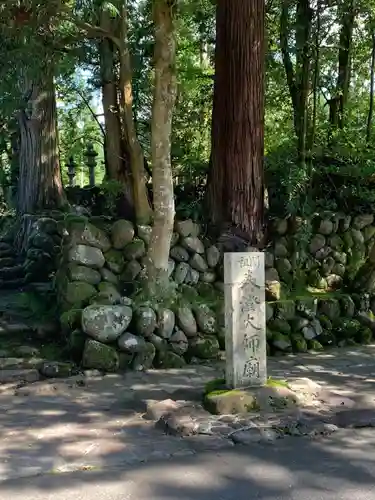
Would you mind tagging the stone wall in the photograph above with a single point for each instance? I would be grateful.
(310, 266)
(102, 265)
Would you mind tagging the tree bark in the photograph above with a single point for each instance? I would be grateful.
(235, 183)
(345, 51)
(316, 76)
(142, 206)
(39, 185)
(298, 77)
(165, 91)
(372, 85)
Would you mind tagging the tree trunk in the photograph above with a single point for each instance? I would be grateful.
(316, 76)
(345, 50)
(39, 186)
(298, 77)
(142, 206)
(116, 152)
(235, 184)
(165, 91)
(371, 103)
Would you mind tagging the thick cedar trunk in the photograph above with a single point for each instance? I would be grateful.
(165, 91)
(235, 184)
(39, 185)
(371, 102)
(141, 202)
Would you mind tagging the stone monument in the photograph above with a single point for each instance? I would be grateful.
(245, 321)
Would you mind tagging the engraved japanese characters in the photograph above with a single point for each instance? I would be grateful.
(245, 319)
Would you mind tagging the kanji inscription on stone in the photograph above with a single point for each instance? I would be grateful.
(245, 322)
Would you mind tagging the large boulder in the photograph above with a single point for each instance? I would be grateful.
(204, 347)
(86, 256)
(78, 293)
(87, 234)
(206, 319)
(122, 234)
(115, 260)
(106, 323)
(100, 356)
(213, 256)
(193, 244)
(186, 321)
(145, 321)
(83, 273)
(135, 250)
(165, 324)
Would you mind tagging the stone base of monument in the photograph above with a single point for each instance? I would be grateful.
(275, 395)
(246, 416)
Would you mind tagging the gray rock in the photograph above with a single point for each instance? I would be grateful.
(186, 321)
(115, 260)
(179, 254)
(135, 250)
(192, 277)
(369, 233)
(335, 242)
(340, 257)
(126, 301)
(165, 323)
(338, 269)
(193, 244)
(309, 332)
(269, 259)
(144, 233)
(280, 226)
(317, 242)
(181, 272)
(100, 356)
(362, 221)
(108, 276)
(28, 375)
(161, 345)
(88, 234)
(198, 263)
(281, 342)
(334, 282)
(204, 347)
(78, 293)
(175, 239)
(206, 319)
(280, 250)
(131, 343)
(179, 342)
(106, 323)
(122, 234)
(358, 238)
(185, 228)
(325, 227)
(327, 266)
(131, 271)
(330, 308)
(145, 321)
(208, 277)
(110, 290)
(347, 306)
(254, 435)
(171, 267)
(169, 359)
(144, 359)
(83, 273)
(213, 256)
(86, 256)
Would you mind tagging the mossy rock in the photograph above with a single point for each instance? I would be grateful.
(70, 320)
(115, 260)
(281, 342)
(100, 356)
(307, 307)
(299, 343)
(347, 329)
(169, 359)
(347, 306)
(330, 308)
(76, 344)
(78, 293)
(135, 250)
(204, 347)
(325, 322)
(364, 336)
(229, 402)
(280, 325)
(327, 339)
(314, 345)
(286, 309)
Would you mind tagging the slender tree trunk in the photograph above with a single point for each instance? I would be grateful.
(316, 76)
(116, 150)
(39, 186)
(345, 51)
(371, 102)
(298, 77)
(165, 91)
(113, 148)
(142, 206)
(235, 184)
